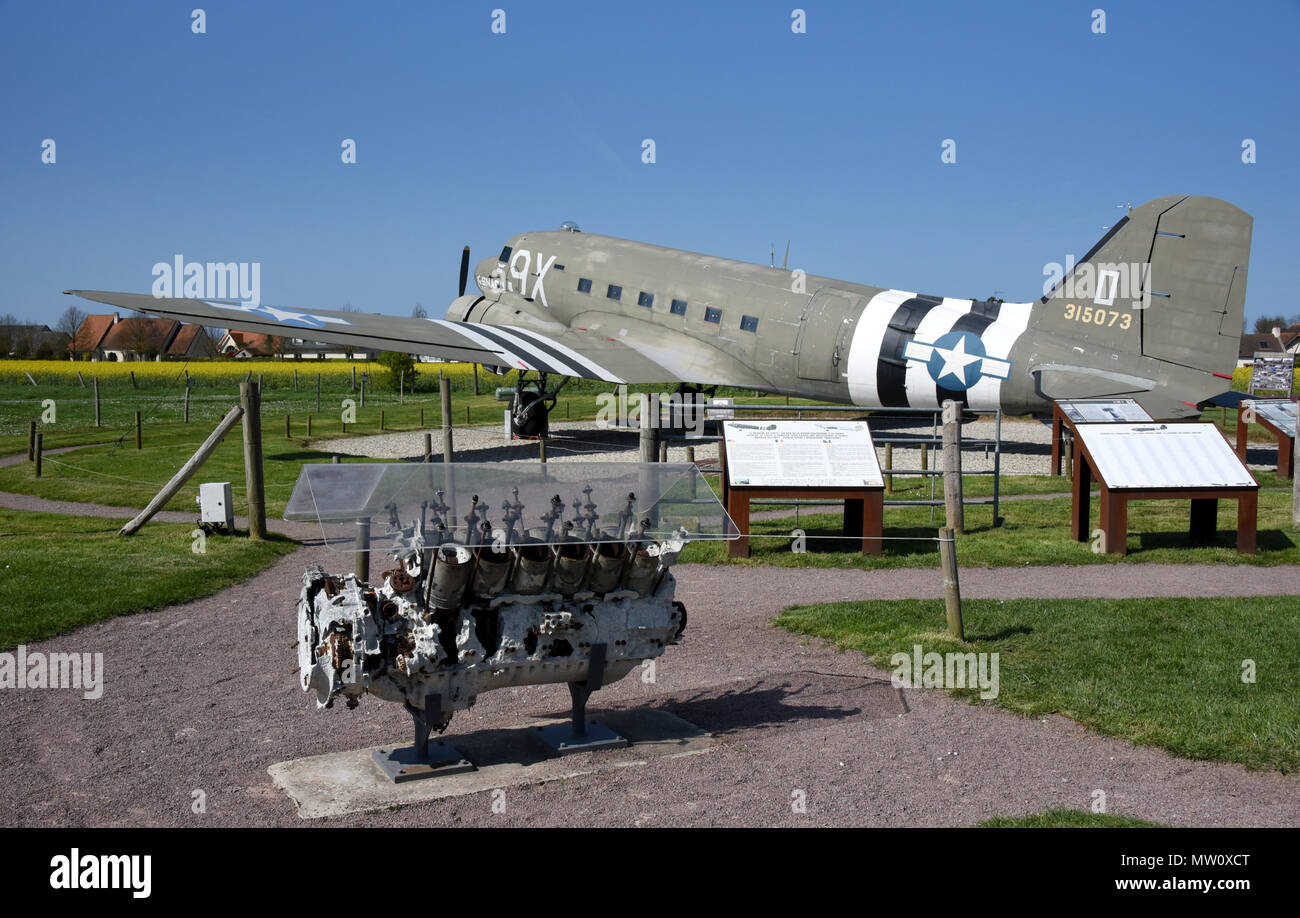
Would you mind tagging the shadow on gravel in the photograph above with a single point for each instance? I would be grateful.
(795, 699)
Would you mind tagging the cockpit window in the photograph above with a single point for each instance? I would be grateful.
(505, 255)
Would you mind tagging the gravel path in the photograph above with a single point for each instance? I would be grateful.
(200, 697)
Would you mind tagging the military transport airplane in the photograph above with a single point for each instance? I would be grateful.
(1152, 312)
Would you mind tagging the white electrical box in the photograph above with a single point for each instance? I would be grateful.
(215, 505)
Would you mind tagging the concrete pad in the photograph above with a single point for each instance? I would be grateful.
(339, 783)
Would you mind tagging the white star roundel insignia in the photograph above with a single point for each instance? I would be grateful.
(957, 360)
(284, 316)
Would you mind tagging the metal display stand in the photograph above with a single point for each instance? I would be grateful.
(581, 734)
(422, 759)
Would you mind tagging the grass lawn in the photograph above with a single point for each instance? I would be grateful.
(1068, 819)
(1157, 672)
(1036, 532)
(61, 572)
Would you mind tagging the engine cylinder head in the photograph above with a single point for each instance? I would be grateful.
(570, 566)
(607, 562)
(452, 567)
(643, 569)
(532, 564)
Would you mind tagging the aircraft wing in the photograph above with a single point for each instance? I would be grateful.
(627, 356)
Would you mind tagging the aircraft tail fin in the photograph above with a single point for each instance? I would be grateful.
(1168, 283)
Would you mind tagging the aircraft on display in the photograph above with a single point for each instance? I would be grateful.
(1153, 312)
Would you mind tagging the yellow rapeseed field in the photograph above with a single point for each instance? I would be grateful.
(275, 373)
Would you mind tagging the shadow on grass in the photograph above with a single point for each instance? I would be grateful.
(1265, 540)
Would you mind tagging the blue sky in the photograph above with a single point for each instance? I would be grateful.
(225, 146)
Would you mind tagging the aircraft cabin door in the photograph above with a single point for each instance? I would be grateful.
(825, 330)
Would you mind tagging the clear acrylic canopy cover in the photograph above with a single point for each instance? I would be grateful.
(598, 502)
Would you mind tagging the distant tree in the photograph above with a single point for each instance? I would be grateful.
(140, 337)
(45, 350)
(22, 346)
(419, 312)
(399, 366)
(1265, 324)
(70, 322)
(208, 338)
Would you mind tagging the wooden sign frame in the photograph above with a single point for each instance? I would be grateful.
(1203, 527)
(1285, 442)
(864, 508)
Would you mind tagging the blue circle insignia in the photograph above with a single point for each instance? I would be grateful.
(956, 360)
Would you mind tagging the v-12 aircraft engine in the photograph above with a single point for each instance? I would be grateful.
(469, 608)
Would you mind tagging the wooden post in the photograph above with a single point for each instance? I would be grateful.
(80, 380)
(261, 378)
(381, 418)
(541, 449)
(952, 497)
(186, 471)
(40, 448)
(133, 385)
(287, 434)
(476, 379)
(401, 388)
(187, 402)
(363, 550)
(421, 415)
(467, 415)
(650, 429)
(925, 456)
(250, 400)
(318, 393)
(889, 464)
(354, 378)
(309, 427)
(363, 390)
(139, 435)
(95, 380)
(1295, 499)
(31, 441)
(444, 397)
(295, 379)
(428, 447)
(690, 454)
(566, 409)
(951, 587)
(663, 450)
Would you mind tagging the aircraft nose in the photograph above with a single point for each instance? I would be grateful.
(483, 270)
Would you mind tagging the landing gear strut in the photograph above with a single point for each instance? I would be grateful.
(531, 406)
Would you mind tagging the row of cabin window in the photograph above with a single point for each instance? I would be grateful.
(677, 307)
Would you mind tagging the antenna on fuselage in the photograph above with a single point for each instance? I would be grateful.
(772, 255)
(786, 261)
